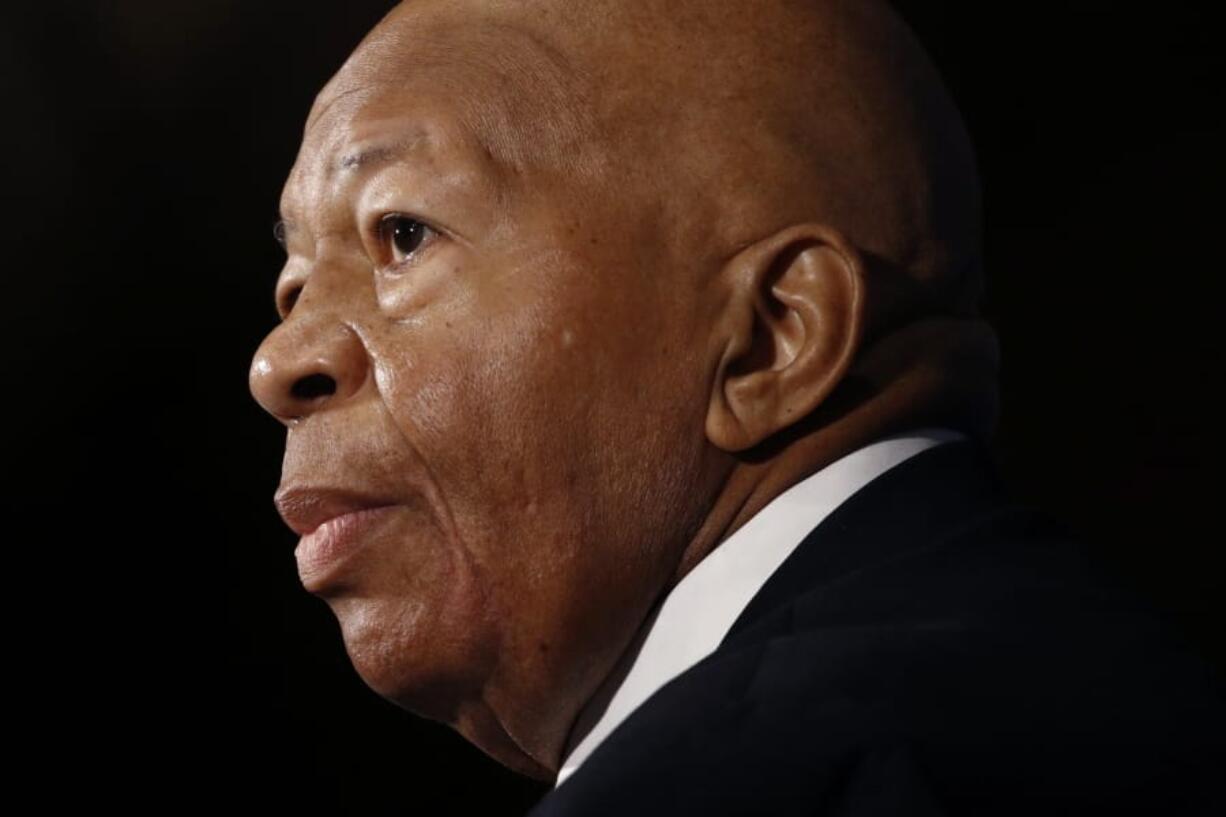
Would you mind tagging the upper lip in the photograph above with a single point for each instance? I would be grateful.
(304, 507)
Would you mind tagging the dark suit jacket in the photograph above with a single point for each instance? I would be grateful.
(930, 648)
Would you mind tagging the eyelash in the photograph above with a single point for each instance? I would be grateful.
(385, 237)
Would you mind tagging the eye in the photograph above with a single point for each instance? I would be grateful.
(404, 235)
(278, 232)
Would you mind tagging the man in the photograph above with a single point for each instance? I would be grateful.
(635, 394)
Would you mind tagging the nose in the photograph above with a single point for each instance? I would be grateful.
(306, 364)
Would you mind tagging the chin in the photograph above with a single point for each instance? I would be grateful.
(406, 657)
(435, 667)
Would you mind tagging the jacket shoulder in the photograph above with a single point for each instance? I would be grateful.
(992, 671)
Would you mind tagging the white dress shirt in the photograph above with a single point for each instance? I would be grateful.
(699, 611)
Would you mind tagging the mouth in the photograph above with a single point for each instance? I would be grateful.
(322, 552)
(333, 524)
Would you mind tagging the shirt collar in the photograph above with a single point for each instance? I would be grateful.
(692, 620)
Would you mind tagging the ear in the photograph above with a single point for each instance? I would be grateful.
(790, 326)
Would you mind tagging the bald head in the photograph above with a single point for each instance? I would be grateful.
(577, 289)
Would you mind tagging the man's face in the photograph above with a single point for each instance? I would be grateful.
(503, 357)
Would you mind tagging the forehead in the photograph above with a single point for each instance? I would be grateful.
(490, 88)
(378, 127)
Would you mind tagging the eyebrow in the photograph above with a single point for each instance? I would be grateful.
(379, 154)
(364, 158)
(383, 151)
(488, 171)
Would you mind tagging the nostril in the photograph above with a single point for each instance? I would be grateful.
(312, 386)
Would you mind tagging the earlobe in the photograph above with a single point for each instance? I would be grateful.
(791, 327)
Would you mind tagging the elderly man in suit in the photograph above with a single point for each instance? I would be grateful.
(636, 397)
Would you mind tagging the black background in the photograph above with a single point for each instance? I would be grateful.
(162, 635)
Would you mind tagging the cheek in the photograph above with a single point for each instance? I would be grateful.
(553, 439)
(499, 412)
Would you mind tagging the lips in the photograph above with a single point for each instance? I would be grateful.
(333, 524)
(305, 508)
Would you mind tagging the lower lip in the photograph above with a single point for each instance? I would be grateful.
(322, 551)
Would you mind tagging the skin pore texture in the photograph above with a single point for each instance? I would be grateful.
(578, 288)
